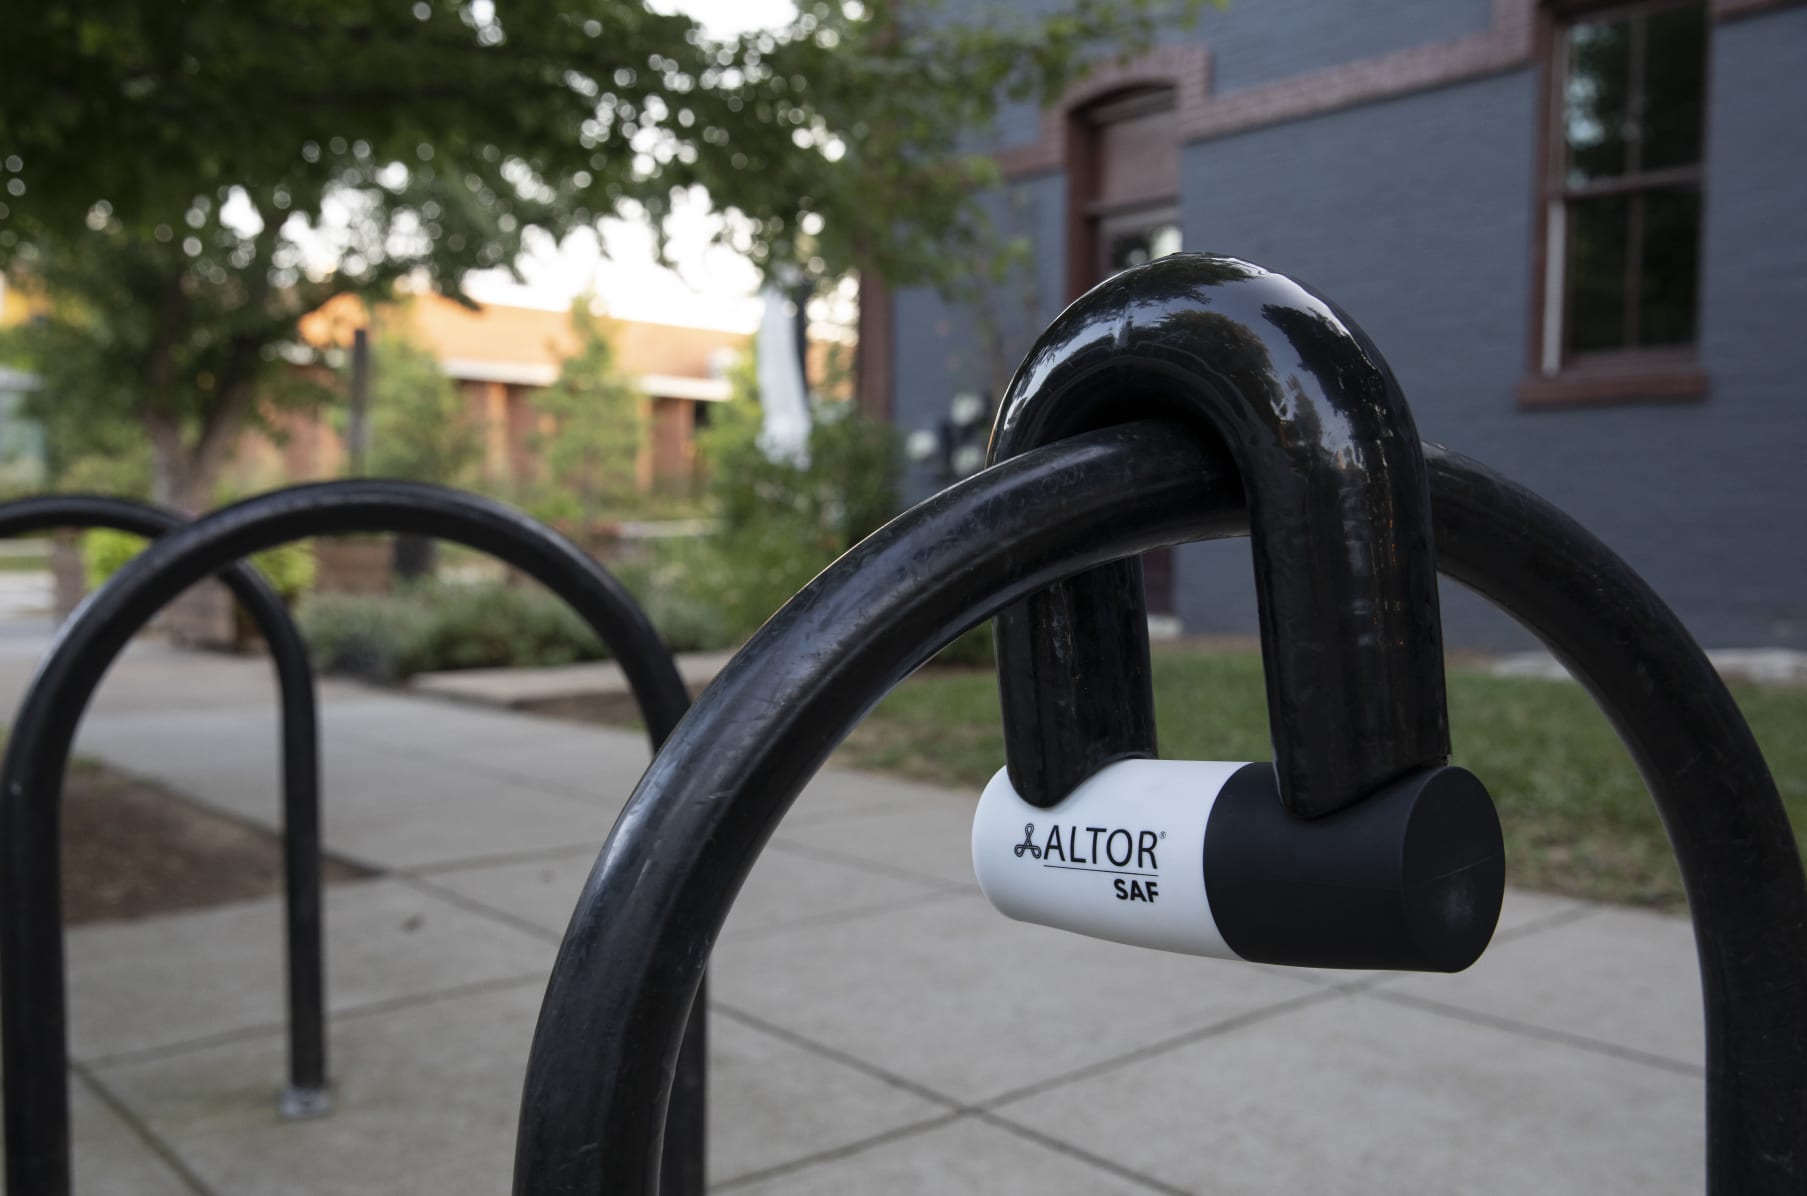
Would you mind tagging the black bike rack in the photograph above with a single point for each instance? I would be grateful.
(1153, 460)
(307, 1092)
(33, 997)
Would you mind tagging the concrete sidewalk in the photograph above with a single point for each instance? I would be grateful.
(877, 1027)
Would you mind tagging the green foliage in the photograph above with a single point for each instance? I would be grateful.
(673, 585)
(363, 635)
(779, 526)
(974, 650)
(105, 552)
(420, 425)
(126, 473)
(588, 458)
(289, 568)
(434, 626)
(859, 114)
(189, 180)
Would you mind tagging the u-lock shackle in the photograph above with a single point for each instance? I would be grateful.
(1358, 847)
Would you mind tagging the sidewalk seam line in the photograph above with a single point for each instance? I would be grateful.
(138, 1126)
(1224, 1026)
(170, 1050)
(1543, 1033)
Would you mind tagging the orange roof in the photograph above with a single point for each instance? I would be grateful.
(526, 337)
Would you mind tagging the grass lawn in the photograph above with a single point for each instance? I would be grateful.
(1577, 818)
(25, 562)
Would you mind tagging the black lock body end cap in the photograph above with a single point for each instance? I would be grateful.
(1409, 879)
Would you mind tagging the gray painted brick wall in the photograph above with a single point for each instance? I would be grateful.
(1414, 215)
(1261, 41)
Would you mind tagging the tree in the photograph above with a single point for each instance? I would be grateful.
(420, 425)
(590, 453)
(190, 179)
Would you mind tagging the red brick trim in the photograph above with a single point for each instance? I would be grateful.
(1655, 381)
(1732, 10)
(1507, 44)
(873, 355)
(1185, 68)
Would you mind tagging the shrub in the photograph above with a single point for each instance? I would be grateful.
(289, 568)
(494, 625)
(434, 626)
(778, 526)
(366, 635)
(671, 581)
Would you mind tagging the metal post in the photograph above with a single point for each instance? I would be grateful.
(357, 418)
(33, 1000)
(307, 1092)
(593, 1105)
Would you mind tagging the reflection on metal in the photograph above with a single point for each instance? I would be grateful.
(613, 1021)
(33, 1000)
(307, 1094)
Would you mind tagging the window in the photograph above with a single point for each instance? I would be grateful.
(1123, 182)
(1622, 203)
(1132, 238)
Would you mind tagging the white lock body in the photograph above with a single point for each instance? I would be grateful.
(1120, 858)
(1202, 857)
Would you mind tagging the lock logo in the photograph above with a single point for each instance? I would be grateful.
(1125, 855)
(1028, 843)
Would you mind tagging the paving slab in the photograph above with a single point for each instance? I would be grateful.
(511, 687)
(837, 793)
(424, 1103)
(773, 1104)
(450, 729)
(1621, 977)
(587, 763)
(160, 982)
(954, 996)
(868, 1003)
(964, 1156)
(426, 1100)
(930, 837)
(1357, 1095)
(785, 890)
(444, 816)
(110, 1157)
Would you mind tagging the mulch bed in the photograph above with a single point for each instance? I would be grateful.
(132, 849)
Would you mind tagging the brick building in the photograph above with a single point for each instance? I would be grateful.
(1577, 230)
(499, 356)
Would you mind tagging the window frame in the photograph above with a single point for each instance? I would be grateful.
(1553, 377)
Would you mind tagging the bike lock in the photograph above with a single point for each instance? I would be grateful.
(1358, 847)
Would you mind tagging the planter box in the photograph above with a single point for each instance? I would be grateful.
(66, 572)
(360, 565)
(204, 616)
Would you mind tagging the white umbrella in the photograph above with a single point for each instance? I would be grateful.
(784, 432)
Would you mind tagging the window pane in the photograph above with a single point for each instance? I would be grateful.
(1671, 262)
(1141, 245)
(1675, 71)
(1596, 279)
(1597, 99)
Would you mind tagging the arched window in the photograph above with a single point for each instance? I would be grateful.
(1123, 183)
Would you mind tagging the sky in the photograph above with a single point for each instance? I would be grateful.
(711, 287)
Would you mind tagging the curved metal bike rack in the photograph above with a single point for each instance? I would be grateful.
(629, 970)
(33, 998)
(307, 1093)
